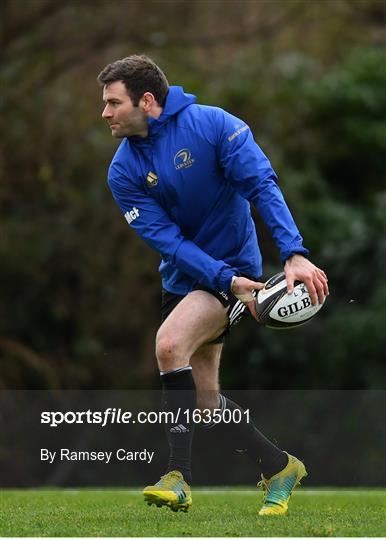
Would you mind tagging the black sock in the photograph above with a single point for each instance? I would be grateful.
(246, 437)
(179, 394)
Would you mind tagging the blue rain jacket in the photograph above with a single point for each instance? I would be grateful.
(186, 189)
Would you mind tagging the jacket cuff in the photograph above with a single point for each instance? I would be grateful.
(224, 278)
(298, 250)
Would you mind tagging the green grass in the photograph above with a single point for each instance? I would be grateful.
(214, 513)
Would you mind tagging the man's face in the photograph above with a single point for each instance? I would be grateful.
(123, 118)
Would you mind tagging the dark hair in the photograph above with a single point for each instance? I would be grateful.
(139, 74)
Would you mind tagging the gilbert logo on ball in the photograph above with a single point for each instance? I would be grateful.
(277, 309)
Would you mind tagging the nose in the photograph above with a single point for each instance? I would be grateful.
(106, 113)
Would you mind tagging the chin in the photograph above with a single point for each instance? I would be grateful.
(116, 134)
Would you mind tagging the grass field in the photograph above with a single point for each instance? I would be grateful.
(214, 513)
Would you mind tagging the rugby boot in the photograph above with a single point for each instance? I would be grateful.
(278, 489)
(171, 491)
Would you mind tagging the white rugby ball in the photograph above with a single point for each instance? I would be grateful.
(277, 309)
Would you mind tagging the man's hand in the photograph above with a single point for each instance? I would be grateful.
(242, 288)
(299, 268)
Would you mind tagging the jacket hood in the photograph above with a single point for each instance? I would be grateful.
(176, 101)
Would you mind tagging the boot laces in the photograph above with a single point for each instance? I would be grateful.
(264, 484)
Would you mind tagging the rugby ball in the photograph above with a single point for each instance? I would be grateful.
(277, 309)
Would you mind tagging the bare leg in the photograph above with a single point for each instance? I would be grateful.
(198, 319)
(205, 363)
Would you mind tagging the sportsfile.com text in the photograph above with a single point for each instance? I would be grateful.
(118, 416)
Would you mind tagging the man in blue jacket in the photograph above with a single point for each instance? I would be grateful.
(184, 176)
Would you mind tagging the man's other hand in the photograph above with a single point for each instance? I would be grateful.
(242, 288)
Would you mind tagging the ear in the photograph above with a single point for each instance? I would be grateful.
(147, 101)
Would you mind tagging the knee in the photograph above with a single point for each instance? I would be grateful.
(168, 353)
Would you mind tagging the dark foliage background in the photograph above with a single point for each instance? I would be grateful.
(79, 292)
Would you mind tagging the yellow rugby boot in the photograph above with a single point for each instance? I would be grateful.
(278, 489)
(171, 491)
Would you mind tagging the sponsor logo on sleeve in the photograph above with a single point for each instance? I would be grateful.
(183, 159)
(237, 132)
(131, 215)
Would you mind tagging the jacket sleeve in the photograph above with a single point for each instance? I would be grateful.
(152, 223)
(249, 170)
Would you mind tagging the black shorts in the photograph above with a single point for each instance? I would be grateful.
(237, 310)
